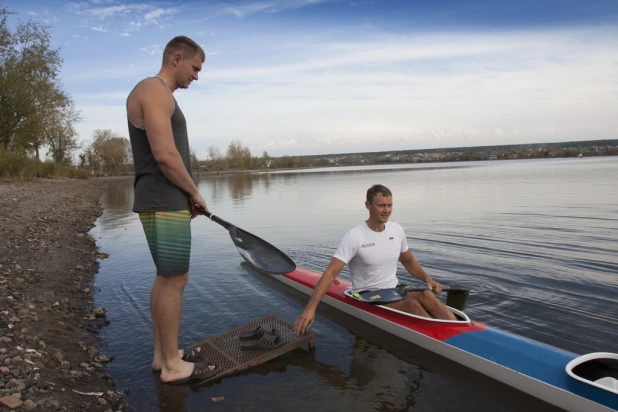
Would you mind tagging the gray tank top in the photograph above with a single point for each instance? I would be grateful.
(153, 191)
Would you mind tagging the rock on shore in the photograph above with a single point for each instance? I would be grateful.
(49, 356)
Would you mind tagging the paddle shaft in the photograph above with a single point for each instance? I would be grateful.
(214, 218)
(383, 296)
(444, 289)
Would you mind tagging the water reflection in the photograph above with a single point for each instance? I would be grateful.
(239, 186)
(119, 196)
(172, 398)
(118, 203)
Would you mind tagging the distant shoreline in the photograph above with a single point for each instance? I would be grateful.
(402, 164)
(393, 166)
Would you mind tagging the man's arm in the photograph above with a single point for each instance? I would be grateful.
(305, 320)
(414, 268)
(158, 106)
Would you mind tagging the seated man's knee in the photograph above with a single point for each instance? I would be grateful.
(428, 295)
(414, 305)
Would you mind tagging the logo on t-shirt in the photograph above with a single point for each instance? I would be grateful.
(368, 244)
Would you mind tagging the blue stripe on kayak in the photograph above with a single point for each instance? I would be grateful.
(537, 360)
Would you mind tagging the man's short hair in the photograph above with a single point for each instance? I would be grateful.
(187, 48)
(375, 190)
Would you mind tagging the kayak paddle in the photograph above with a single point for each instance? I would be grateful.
(258, 253)
(383, 296)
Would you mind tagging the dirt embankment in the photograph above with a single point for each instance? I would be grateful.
(49, 344)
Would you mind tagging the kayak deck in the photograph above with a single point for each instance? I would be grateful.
(528, 365)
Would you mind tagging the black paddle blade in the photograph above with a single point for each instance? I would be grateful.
(456, 298)
(260, 254)
(456, 291)
(382, 296)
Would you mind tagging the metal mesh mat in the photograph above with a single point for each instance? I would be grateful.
(225, 351)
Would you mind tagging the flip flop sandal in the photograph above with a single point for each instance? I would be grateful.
(200, 372)
(190, 353)
(257, 333)
(266, 342)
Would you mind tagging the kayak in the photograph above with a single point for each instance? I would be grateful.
(562, 378)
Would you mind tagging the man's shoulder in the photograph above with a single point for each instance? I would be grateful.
(361, 227)
(354, 233)
(152, 94)
(148, 87)
(390, 225)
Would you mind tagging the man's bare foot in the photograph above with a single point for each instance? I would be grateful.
(183, 372)
(157, 363)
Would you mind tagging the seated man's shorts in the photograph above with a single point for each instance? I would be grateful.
(169, 238)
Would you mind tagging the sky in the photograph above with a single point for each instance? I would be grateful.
(294, 77)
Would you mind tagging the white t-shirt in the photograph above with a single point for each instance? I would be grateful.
(372, 256)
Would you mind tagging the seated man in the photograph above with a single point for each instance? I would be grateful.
(371, 250)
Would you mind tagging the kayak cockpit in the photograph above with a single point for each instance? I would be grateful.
(462, 318)
(598, 369)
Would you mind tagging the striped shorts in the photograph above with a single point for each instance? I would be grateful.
(169, 239)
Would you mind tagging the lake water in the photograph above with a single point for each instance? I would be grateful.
(536, 242)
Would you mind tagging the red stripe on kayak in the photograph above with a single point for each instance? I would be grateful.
(440, 331)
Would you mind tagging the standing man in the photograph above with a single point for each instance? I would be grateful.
(371, 250)
(166, 199)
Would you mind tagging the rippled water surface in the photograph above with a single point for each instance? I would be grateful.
(535, 241)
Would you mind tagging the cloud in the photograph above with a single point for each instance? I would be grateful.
(156, 15)
(103, 13)
(133, 16)
(99, 29)
(387, 92)
(153, 50)
(244, 9)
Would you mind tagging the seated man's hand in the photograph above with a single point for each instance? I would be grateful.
(304, 322)
(434, 286)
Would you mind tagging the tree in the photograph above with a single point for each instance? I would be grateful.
(265, 159)
(195, 164)
(82, 160)
(5, 34)
(28, 86)
(59, 134)
(214, 153)
(108, 151)
(238, 155)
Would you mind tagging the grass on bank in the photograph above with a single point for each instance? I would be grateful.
(21, 166)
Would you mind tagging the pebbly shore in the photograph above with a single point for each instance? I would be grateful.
(50, 357)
